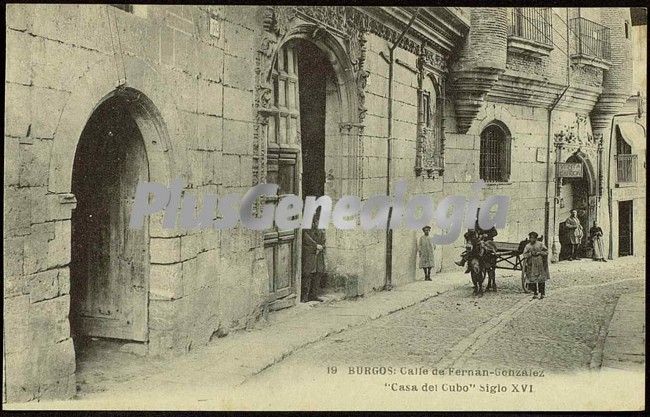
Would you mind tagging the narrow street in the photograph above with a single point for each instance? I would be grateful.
(560, 335)
(453, 350)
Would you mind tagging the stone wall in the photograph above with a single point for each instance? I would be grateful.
(375, 153)
(62, 61)
(527, 184)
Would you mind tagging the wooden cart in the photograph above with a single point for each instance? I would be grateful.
(509, 257)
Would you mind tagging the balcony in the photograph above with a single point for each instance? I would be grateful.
(591, 43)
(626, 168)
(530, 31)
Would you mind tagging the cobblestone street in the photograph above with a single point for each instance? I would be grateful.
(561, 334)
(298, 353)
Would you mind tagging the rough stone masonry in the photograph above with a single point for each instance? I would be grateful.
(216, 101)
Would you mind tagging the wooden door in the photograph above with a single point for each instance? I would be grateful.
(283, 165)
(109, 269)
(625, 222)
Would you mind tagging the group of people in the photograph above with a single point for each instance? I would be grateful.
(534, 254)
(576, 233)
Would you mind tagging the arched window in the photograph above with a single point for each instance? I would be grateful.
(494, 164)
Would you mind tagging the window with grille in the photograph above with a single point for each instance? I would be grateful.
(532, 23)
(494, 164)
(591, 38)
(626, 162)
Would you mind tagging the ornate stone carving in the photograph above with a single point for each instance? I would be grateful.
(348, 23)
(431, 58)
(349, 20)
(276, 19)
(578, 134)
(357, 52)
(429, 143)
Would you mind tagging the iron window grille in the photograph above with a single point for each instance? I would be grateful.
(494, 162)
(591, 39)
(533, 24)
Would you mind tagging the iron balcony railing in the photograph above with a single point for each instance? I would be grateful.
(532, 23)
(626, 167)
(591, 38)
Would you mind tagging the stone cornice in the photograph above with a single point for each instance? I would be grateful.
(607, 106)
(442, 28)
(385, 22)
(470, 88)
(515, 87)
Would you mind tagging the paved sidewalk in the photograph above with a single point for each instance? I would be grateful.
(226, 364)
(624, 346)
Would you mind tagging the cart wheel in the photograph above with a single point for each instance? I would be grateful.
(524, 282)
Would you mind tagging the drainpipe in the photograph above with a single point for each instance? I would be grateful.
(388, 281)
(547, 214)
(610, 203)
(549, 143)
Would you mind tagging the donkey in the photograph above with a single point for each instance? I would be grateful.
(481, 261)
(474, 256)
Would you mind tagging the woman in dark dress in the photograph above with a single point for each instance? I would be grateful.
(596, 235)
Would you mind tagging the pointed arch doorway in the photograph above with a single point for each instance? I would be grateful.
(109, 261)
(581, 194)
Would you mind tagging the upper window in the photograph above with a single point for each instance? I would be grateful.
(532, 24)
(591, 38)
(494, 163)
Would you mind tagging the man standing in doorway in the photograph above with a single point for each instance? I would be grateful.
(575, 231)
(313, 261)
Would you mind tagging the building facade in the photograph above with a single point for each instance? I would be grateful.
(319, 100)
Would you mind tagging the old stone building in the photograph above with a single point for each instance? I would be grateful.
(320, 100)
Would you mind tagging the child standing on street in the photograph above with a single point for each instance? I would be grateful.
(426, 250)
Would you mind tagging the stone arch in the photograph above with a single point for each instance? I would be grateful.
(343, 95)
(338, 58)
(154, 110)
(583, 158)
(498, 138)
(493, 113)
(582, 192)
(500, 125)
(435, 80)
(350, 80)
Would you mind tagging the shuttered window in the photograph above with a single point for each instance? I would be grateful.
(494, 164)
